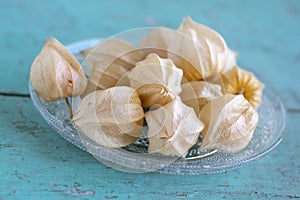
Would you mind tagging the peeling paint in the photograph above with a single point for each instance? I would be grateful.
(2, 146)
(181, 196)
(76, 192)
(111, 197)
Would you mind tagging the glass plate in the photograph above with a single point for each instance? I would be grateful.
(134, 158)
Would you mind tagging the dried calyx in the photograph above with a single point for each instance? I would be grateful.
(111, 117)
(173, 129)
(199, 51)
(108, 63)
(55, 73)
(229, 123)
(237, 81)
(203, 48)
(157, 80)
(197, 94)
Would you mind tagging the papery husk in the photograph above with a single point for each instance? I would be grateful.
(111, 49)
(107, 75)
(155, 95)
(157, 80)
(173, 129)
(56, 73)
(100, 136)
(230, 122)
(231, 63)
(231, 60)
(108, 62)
(116, 112)
(197, 94)
(238, 81)
(204, 50)
(158, 42)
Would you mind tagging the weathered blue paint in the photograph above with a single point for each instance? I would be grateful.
(35, 163)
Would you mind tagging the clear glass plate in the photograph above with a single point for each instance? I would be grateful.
(134, 158)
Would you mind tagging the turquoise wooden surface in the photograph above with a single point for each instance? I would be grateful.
(35, 163)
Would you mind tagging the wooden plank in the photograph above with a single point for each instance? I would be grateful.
(35, 162)
(265, 36)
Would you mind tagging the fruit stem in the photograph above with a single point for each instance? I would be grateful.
(241, 91)
(69, 106)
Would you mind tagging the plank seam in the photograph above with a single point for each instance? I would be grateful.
(12, 94)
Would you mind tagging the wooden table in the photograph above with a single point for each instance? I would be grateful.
(36, 163)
